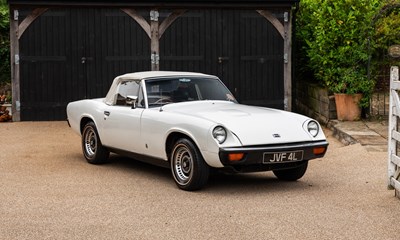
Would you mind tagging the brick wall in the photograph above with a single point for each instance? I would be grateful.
(314, 101)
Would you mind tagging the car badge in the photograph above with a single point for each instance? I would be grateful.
(276, 135)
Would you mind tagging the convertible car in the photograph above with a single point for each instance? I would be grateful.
(191, 123)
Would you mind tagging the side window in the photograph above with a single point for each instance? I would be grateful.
(125, 89)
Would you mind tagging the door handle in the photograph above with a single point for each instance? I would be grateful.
(221, 59)
(86, 59)
(107, 113)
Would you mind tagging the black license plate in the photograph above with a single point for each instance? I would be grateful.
(279, 157)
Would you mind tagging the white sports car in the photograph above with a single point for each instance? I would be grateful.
(191, 123)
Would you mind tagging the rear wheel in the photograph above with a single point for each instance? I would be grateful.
(188, 168)
(92, 148)
(292, 174)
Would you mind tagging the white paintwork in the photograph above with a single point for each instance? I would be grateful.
(394, 135)
(145, 130)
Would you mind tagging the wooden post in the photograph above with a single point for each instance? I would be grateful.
(287, 58)
(15, 68)
(285, 31)
(16, 31)
(154, 30)
(155, 40)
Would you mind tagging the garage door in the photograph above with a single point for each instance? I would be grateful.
(239, 46)
(71, 54)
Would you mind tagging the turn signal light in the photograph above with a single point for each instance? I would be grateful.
(235, 156)
(319, 150)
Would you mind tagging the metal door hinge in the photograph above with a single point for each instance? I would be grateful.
(16, 15)
(16, 60)
(154, 14)
(155, 58)
(286, 17)
(17, 105)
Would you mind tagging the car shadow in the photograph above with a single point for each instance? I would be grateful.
(244, 183)
(219, 182)
(122, 163)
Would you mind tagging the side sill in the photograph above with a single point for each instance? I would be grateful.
(143, 158)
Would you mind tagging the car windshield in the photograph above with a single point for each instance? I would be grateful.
(173, 90)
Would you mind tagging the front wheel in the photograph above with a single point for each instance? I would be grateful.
(188, 168)
(292, 174)
(92, 148)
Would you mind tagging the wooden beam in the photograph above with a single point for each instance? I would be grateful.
(285, 30)
(395, 184)
(396, 135)
(169, 20)
(193, 4)
(154, 30)
(29, 20)
(274, 21)
(139, 19)
(395, 159)
(16, 32)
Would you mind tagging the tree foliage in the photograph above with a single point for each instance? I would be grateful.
(386, 33)
(5, 69)
(334, 38)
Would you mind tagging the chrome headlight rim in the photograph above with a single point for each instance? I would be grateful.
(313, 128)
(219, 133)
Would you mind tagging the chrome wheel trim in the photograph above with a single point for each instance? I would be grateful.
(183, 164)
(90, 142)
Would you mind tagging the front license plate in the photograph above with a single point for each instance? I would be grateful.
(279, 157)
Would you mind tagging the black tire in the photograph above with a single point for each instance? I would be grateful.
(188, 167)
(92, 148)
(291, 174)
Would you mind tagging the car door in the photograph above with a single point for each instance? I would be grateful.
(121, 122)
(121, 128)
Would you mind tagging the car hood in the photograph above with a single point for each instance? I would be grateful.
(252, 125)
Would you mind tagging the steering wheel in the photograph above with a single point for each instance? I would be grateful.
(163, 100)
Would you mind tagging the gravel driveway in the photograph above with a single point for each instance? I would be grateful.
(48, 191)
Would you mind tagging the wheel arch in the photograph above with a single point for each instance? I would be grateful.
(84, 121)
(172, 138)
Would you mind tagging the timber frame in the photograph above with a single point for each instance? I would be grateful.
(154, 29)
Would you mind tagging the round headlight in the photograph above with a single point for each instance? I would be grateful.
(313, 128)
(219, 133)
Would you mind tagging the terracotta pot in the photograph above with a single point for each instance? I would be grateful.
(348, 106)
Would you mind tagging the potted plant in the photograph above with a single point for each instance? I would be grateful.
(351, 89)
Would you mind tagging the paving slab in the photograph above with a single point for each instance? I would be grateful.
(371, 134)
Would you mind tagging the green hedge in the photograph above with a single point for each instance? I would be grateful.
(336, 39)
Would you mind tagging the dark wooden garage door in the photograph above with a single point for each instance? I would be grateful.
(71, 54)
(239, 46)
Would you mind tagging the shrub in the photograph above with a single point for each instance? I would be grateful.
(334, 36)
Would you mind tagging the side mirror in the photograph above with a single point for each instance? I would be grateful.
(131, 101)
